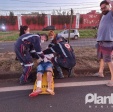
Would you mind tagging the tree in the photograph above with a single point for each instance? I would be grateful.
(53, 12)
(3, 20)
(12, 19)
(34, 20)
(81, 19)
(54, 19)
(61, 17)
(41, 19)
(28, 20)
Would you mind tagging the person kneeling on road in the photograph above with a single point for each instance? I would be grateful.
(65, 56)
(41, 68)
(23, 52)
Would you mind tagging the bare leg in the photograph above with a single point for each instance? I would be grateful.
(110, 83)
(49, 80)
(38, 84)
(101, 68)
(110, 64)
(39, 81)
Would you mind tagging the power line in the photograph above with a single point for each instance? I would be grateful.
(48, 10)
(52, 6)
(51, 2)
(61, 5)
(48, 5)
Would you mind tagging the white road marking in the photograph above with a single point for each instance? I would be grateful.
(1, 48)
(57, 85)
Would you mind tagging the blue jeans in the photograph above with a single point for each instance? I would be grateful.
(43, 67)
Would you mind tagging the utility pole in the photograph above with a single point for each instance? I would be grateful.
(70, 25)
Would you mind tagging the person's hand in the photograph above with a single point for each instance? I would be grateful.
(111, 2)
(108, 0)
(45, 59)
(39, 60)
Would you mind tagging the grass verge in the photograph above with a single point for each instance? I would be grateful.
(13, 35)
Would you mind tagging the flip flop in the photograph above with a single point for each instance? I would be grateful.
(35, 93)
(50, 91)
(110, 84)
(98, 75)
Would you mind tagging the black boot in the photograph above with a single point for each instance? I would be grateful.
(60, 73)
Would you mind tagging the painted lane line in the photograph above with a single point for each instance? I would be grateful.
(57, 85)
(1, 48)
(87, 83)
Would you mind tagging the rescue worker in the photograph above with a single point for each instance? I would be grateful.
(23, 30)
(64, 55)
(22, 50)
(26, 30)
(51, 34)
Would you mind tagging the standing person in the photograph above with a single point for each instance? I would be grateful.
(105, 36)
(22, 50)
(65, 26)
(64, 56)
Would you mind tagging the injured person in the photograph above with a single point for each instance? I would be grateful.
(44, 66)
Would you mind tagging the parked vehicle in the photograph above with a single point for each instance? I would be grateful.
(74, 33)
(49, 28)
(95, 27)
(3, 28)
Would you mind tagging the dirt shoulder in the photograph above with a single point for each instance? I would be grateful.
(86, 63)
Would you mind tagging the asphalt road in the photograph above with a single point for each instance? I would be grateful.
(68, 99)
(9, 46)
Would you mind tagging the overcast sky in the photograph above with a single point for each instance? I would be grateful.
(48, 5)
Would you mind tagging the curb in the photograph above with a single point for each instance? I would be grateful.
(77, 73)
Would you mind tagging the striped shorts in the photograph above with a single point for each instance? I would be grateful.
(104, 51)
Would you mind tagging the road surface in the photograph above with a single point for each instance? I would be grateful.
(9, 46)
(70, 95)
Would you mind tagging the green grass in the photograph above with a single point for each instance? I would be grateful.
(87, 33)
(56, 31)
(13, 35)
(9, 36)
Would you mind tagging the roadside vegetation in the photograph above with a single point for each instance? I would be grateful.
(13, 35)
(86, 63)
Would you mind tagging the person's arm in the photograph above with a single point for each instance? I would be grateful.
(53, 49)
(111, 2)
(37, 46)
(51, 45)
(49, 51)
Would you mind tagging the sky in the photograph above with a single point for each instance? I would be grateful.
(47, 6)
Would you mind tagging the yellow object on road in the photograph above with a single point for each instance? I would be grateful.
(44, 84)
